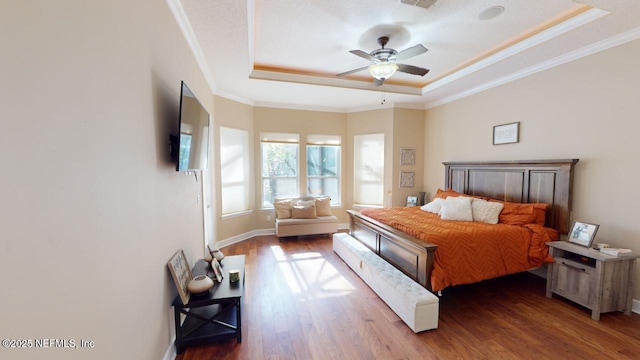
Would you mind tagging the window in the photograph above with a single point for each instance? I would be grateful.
(234, 170)
(323, 166)
(279, 166)
(368, 169)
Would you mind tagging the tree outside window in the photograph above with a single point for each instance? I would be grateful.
(323, 171)
(279, 170)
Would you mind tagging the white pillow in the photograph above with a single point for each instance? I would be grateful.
(434, 207)
(485, 211)
(311, 202)
(456, 208)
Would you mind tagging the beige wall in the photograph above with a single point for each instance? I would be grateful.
(91, 205)
(372, 122)
(232, 114)
(587, 109)
(403, 128)
(408, 133)
(302, 122)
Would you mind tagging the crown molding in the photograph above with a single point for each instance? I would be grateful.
(187, 31)
(623, 38)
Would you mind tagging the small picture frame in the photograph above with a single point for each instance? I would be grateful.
(406, 178)
(412, 200)
(407, 156)
(217, 269)
(506, 133)
(583, 233)
(181, 274)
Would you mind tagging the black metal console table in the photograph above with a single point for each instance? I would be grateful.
(216, 315)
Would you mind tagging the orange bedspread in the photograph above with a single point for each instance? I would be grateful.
(468, 251)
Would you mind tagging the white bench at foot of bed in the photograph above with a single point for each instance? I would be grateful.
(414, 304)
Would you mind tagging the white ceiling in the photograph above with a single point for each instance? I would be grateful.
(285, 53)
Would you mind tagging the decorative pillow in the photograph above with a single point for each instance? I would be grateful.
(434, 207)
(486, 212)
(283, 209)
(305, 202)
(517, 214)
(540, 210)
(303, 212)
(323, 206)
(456, 208)
(443, 194)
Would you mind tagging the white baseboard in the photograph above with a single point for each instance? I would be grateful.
(635, 307)
(245, 236)
(260, 232)
(170, 354)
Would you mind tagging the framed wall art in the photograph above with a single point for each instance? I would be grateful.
(181, 274)
(406, 178)
(407, 156)
(583, 233)
(506, 133)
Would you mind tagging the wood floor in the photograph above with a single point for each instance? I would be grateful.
(303, 302)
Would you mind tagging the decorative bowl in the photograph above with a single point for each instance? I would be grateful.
(200, 284)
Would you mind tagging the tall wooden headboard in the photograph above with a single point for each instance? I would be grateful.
(529, 181)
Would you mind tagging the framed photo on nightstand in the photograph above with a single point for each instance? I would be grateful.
(412, 200)
(583, 233)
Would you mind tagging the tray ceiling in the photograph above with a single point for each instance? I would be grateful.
(285, 53)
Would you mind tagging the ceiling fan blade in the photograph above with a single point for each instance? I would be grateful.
(411, 52)
(410, 69)
(362, 54)
(352, 71)
(378, 82)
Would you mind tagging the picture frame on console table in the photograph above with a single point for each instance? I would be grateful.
(583, 233)
(181, 274)
(217, 269)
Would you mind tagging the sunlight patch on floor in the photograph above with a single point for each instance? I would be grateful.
(311, 275)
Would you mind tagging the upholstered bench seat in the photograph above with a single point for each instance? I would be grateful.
(414, 304)
(297, 227)
(304, 216)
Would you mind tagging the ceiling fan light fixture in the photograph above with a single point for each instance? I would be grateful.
(383, 70)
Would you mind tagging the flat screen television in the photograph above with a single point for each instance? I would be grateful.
(190, 149)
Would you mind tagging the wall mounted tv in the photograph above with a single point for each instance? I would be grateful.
(190, 149)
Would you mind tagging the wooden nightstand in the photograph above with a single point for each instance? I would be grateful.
(600, 282)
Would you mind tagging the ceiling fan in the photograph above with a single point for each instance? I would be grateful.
(384, 61)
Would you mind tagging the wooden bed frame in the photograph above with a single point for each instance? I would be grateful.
(530, 181)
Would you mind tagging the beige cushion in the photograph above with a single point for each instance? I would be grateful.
(301, 202)
(303, 212)
(485, 211)
(323, 206)
(283, 209)
(456, 208)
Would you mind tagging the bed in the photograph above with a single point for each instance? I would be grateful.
(415, 251)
